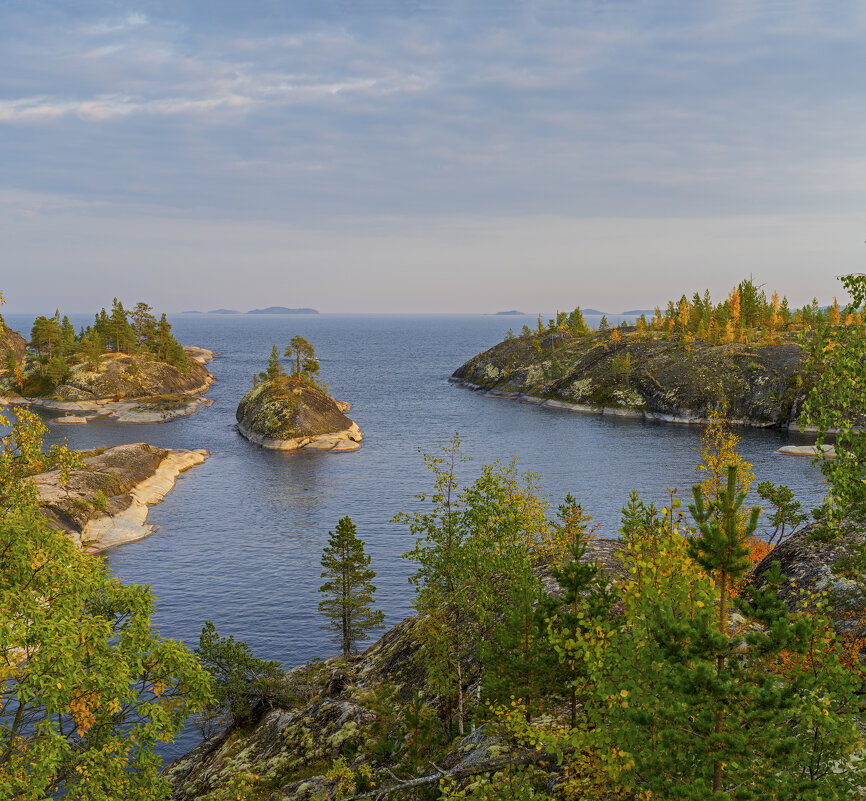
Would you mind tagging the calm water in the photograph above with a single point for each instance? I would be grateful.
(239, 539)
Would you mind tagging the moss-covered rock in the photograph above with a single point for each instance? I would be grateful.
(129, 387)
(349, 709)
(761, 385)
(284, 414)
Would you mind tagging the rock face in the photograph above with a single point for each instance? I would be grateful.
(285, 414)
(762, 386)
(11, 340)
(106, 502)
(815, 558)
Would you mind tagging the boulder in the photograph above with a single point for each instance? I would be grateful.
(817, 559)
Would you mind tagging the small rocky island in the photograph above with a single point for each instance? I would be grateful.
(287, 412)
(127, 366)
(679, 366)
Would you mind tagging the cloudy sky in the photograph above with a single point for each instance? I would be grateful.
(405, 155)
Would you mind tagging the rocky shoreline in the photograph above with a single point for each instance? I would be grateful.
(684, 416)
(761, 386)
(332, 707)
(106, 503)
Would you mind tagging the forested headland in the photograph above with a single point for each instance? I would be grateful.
(747, 353)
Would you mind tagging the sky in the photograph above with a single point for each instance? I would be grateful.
(414, 156)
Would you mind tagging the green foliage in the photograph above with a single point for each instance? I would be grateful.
(11, 361)
(100, 502)
(787, 512)
(585, 600)
(349, 590)
(22, 456)
(274, 369)
(838, 356)
(516, 658)
(711, 710)
(88, 686)
(243, 686)
(56, 347)
(121, 337)
(471, 546)
(621, 366)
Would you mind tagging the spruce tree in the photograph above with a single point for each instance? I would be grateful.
(274, 369)
(348, 592)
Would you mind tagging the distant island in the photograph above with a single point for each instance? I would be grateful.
(511, 313)
(637, 312)
(269, 310)
(282, 310)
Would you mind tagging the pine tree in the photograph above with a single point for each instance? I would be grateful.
(304, 354)
(584, 600)
(348, 591)
(143, 322)
(121, 336)
(517, 659)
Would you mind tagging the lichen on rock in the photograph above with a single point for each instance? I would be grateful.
(759, 385)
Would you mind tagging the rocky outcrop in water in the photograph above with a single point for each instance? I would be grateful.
(130, 388)
(106, 502)
(287, 414)
(654, 379)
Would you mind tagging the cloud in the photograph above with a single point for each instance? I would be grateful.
(298, 113)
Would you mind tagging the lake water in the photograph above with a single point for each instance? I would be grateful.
(240, 537)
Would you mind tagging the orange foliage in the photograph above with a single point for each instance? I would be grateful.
(734, 301)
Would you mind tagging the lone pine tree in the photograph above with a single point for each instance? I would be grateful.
(304, 355)
(348, 592)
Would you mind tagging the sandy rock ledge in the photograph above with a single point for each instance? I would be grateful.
(107, 502)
